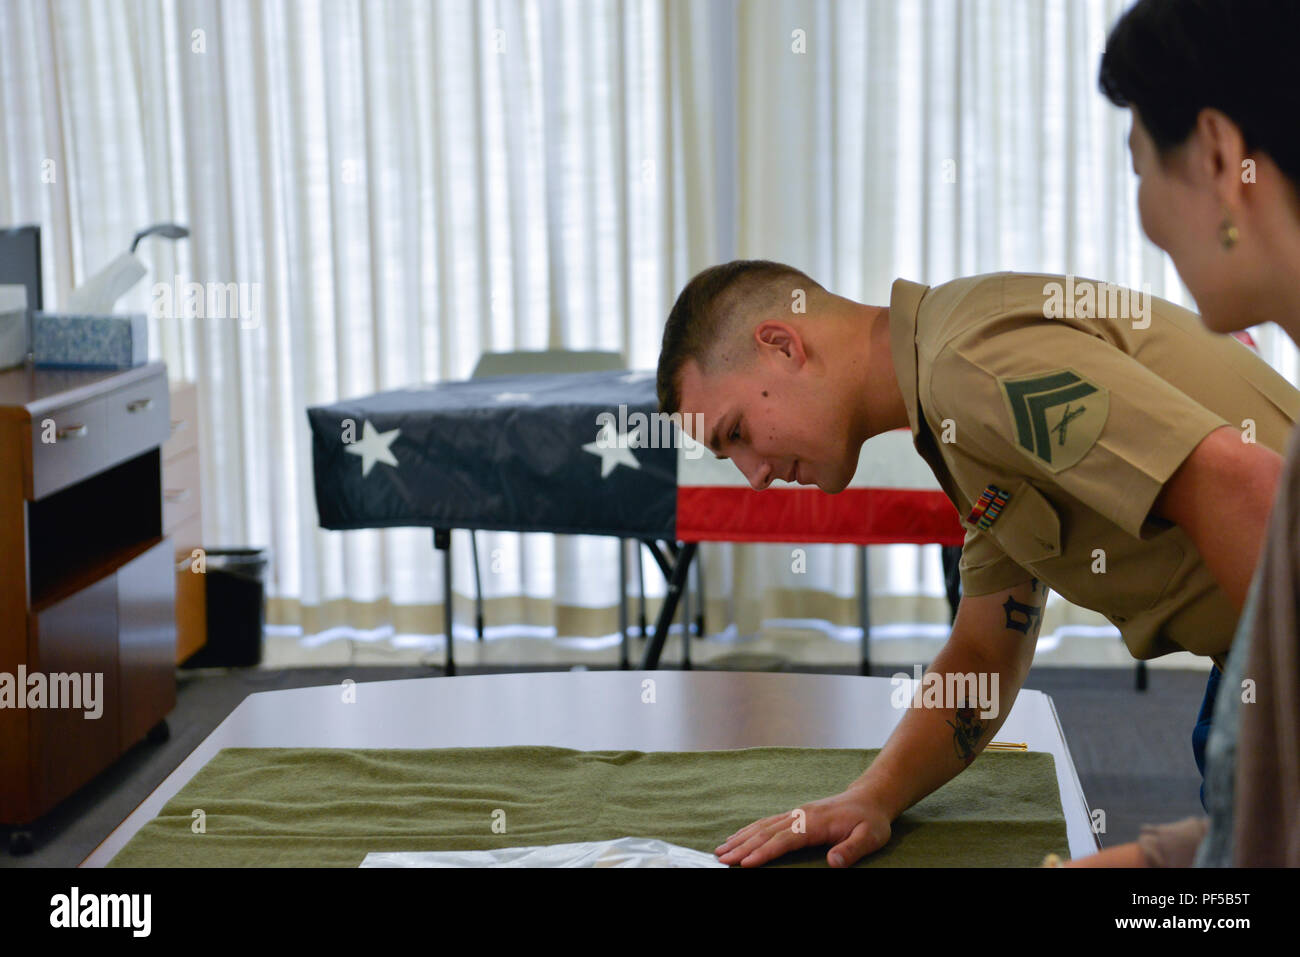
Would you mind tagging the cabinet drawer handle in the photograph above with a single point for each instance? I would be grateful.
(178, 494)
(180, 425)
(139, 405)
(72, 432)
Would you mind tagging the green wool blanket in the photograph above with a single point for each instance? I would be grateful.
(327, 807)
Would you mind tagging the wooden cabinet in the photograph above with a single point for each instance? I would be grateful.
(76, 636)
(87, 577)
(146, 640)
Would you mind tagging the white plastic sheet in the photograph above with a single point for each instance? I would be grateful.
(624, 852)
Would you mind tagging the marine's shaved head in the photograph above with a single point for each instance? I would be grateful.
(714, 317)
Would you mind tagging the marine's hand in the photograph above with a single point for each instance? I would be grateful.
(850, 821)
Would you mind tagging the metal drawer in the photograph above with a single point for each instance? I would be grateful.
(184, 420)
(77, 449)
(136, 418)
(180, 489)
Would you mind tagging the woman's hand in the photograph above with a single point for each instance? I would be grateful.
(1121, 855)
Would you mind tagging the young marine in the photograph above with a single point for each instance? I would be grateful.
(1129, 462)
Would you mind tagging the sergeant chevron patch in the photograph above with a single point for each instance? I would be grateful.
(1057, 416)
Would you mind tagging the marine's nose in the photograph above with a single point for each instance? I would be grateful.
(761, 476)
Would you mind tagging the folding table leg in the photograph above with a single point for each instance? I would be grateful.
(676, 575)
(687, 621)
(442, 542)
(643, 624)
(623, 661)
(864, 610)
(699, 592)
(478, 585)
(950, 555)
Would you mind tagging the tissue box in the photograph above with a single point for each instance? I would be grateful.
(66, 340)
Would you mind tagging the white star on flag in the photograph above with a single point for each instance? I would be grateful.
(513, 396)
(373, 447)
(612, 449)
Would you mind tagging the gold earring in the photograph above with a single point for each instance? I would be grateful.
(1228, 234)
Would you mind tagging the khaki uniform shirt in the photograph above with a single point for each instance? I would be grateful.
(1046, 397)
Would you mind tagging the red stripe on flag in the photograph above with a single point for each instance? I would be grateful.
(856, 516)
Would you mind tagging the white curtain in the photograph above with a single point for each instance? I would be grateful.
(410, 183)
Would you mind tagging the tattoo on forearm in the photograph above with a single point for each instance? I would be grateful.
(967, 730)
(1020, 617)
(967, 727)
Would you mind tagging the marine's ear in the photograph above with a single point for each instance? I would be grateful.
(781, 341)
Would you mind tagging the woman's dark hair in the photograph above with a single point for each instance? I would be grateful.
(1169, 59)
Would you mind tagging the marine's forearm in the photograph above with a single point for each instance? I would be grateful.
(985, 664)
(931, 745)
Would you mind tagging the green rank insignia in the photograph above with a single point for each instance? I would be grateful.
(1057, 416)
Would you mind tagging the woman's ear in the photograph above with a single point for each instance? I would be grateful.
(1220, 154)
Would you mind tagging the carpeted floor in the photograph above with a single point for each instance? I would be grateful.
(1132, 749)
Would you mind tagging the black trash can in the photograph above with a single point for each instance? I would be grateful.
(235, 594)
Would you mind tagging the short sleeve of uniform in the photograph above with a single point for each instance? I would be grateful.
(1065, 407)
(985, 568)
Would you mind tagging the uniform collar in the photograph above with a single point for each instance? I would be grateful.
(904, 304)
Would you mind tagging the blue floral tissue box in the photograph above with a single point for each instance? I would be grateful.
(64, 340)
